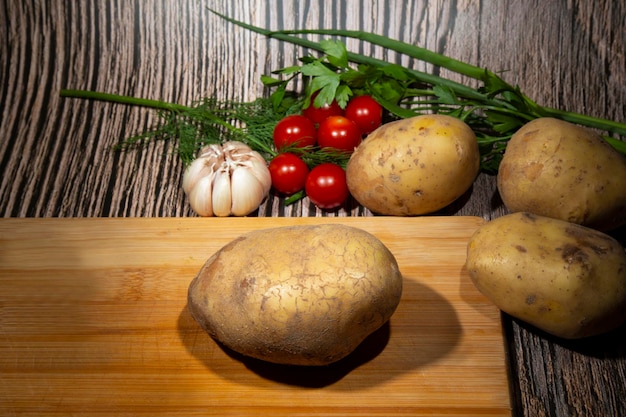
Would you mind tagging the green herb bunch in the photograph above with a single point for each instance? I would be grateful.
(494, 110)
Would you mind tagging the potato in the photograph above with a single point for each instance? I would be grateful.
(414, 166)
(563, 278)
(297, 295)
(557, 169)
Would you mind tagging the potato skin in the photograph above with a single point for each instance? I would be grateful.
(557, 169)
(414, 166)
(563, 278)
(297, 295)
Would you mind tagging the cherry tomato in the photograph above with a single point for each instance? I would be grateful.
(288, 172)
(294, 129)
(326, 186)
(318, 114)
(365, 112)
(338, 132)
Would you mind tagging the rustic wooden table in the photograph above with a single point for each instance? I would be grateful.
(56, 157)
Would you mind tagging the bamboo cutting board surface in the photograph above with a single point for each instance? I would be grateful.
(93, 321)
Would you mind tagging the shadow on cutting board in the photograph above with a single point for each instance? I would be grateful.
(413, 338)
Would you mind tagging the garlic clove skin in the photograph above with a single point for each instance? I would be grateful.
(262, 173)
(193, 174)
(200, 197)
(247, 191)
(222, 201)
(203, 166)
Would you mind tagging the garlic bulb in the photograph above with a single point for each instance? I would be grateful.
(227, 179)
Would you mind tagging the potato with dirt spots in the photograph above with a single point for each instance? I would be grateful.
(557, 169)
(297, 295)
(414, 166)
(563, 278)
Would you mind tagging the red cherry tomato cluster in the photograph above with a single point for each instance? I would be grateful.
(325, 127)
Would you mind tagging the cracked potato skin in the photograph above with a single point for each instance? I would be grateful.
(297, 295)
(561, 277)
(414, 166)
(557, 169)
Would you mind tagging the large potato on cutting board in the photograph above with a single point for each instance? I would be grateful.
(299, 295)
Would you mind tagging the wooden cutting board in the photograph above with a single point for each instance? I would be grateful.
(93, 321)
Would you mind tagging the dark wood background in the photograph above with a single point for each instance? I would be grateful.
(56, 157)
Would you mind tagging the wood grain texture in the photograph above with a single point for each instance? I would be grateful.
(94, 322)
(56, 158)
